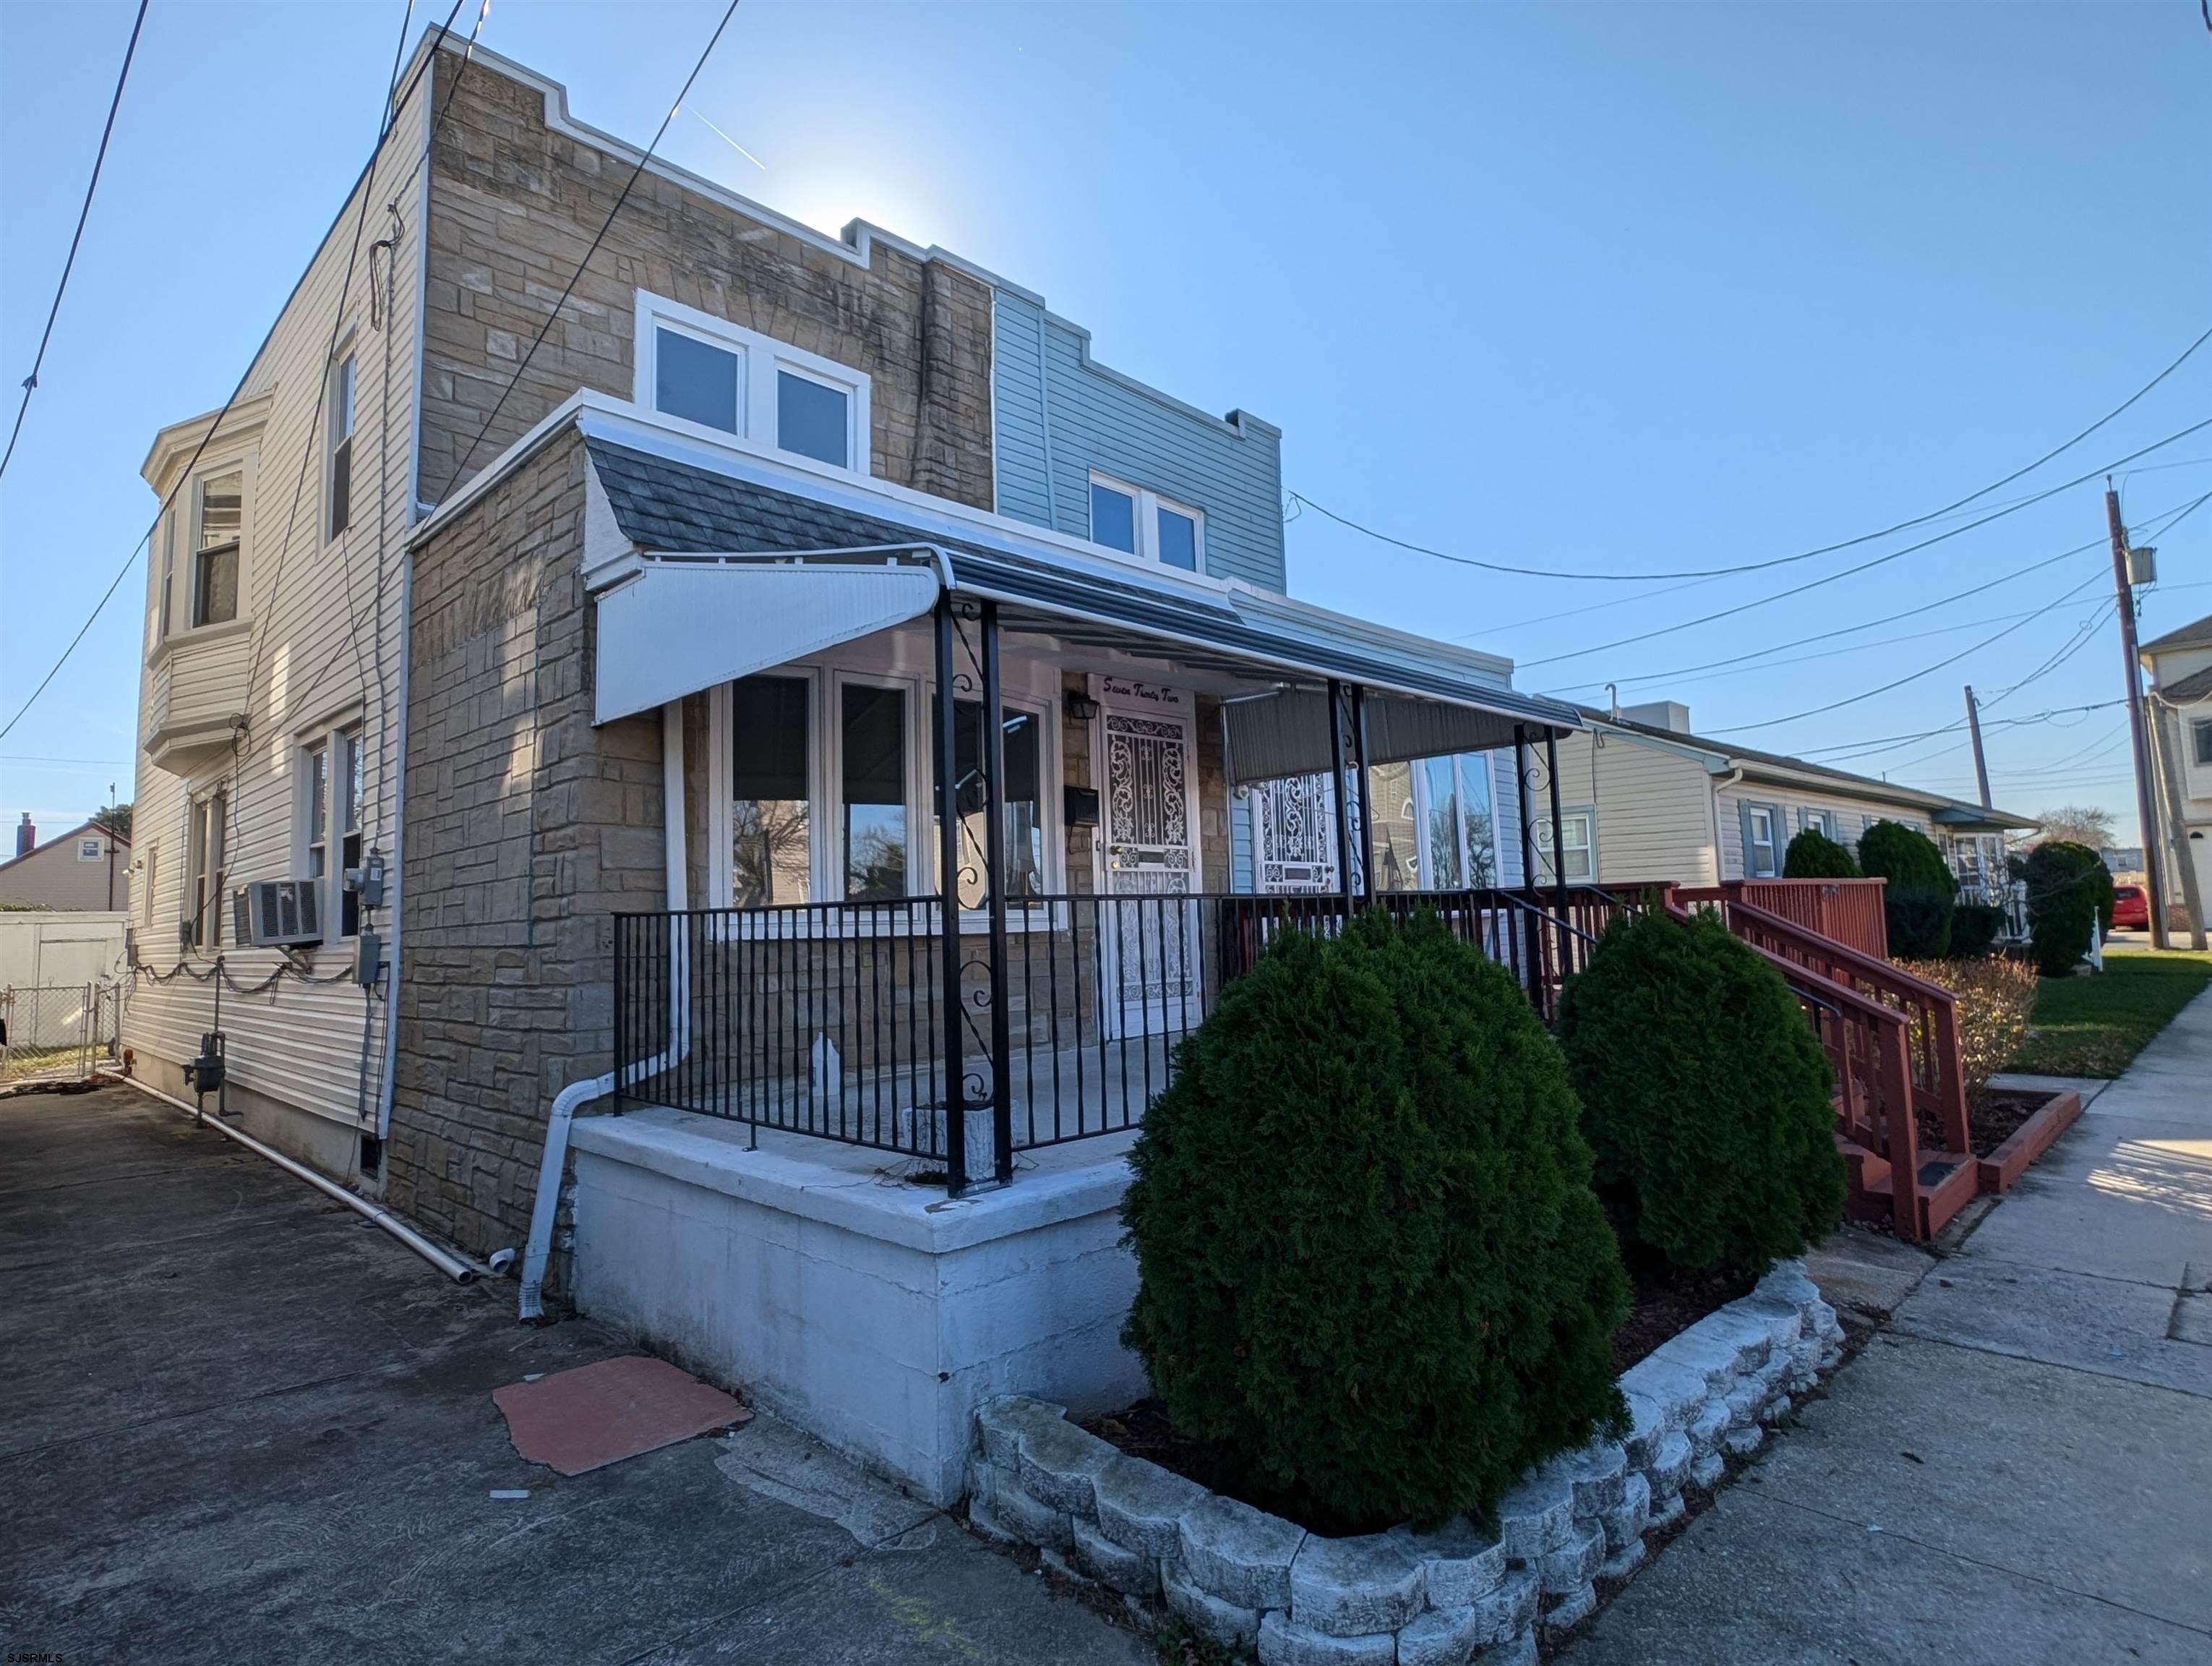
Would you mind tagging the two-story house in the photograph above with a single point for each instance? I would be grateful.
(793, 695)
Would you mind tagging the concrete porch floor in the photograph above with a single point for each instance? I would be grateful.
(243, 1424)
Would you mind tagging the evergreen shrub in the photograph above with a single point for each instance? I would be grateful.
(1974, 928)
(1704, 1096)
(2069, 888)
(1813, 856)
(1373, 1275)
(1921, 893)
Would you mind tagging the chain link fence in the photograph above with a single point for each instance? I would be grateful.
(58, 1033)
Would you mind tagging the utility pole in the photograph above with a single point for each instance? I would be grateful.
(2148, 822)
(1981, 764)
(110, 831)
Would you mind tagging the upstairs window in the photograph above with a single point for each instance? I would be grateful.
(1140, 522)
(220, 521)
(2201, 731)
(338, 420)
(704, 369)
(89, 849)
(696, 380)
(813, 418)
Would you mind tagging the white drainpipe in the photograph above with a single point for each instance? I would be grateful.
(551, 1165)
(1721, 785)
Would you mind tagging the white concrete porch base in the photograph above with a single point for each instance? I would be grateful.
(875, 1315)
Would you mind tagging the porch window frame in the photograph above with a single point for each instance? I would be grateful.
(826, 683)
(760, 358)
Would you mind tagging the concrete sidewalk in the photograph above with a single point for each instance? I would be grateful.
(242, 1424)
(2018, 1468)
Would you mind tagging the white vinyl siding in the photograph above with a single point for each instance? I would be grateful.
(1653, 808)
(299, 1044)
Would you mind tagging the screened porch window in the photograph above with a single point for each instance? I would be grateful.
(772, 842)
(873, 779)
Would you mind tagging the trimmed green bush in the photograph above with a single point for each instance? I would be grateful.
(1813, 856)
(1974, 928)
(2068, 888)
(1704, 1096)
(1372, 1273)
(1921, 894)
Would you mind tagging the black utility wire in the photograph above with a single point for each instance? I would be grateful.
(31, 381)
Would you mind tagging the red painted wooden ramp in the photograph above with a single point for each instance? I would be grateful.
(598, 1414)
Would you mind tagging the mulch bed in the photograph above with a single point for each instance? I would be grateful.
(1990, 1123)
(1660, 1307)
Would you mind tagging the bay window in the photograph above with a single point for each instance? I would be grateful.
(220, 521)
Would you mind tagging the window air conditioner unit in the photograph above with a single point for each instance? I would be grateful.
(271, 914)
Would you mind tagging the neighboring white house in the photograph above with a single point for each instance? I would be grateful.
(2180, 708)
(87, 868)
(1647, 800)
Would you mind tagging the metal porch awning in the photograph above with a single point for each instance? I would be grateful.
(676, 627)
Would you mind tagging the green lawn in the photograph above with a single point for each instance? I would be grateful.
(2095, 1025)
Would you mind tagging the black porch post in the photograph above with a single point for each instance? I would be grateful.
(1558, 846)
(948, 907)
(993, 761)
(1343, 805)
(1366, 849)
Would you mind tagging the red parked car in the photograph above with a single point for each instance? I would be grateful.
(2130, 909)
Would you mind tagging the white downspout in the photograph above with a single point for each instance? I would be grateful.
(551, 1165)
(1720, 785)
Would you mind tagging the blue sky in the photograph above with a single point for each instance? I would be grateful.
(1593, 288)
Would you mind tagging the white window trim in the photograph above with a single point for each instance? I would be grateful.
(1149, 504)
(759, 358)
(1824, 821)
(331, 737)
(98, 848)
(211, 919)
(185, 509)
(343, 358)
(1774, 841)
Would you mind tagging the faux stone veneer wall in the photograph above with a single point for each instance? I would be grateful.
(1403, 1598)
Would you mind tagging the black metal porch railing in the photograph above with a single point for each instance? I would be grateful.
(829, 1019)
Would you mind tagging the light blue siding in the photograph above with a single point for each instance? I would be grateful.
(1057, 416)
(1240, 880)
(1506, 817)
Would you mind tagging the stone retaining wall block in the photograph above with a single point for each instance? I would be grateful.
(1284, 1642)
(1573, 1564)
(1242, 1555)
(1059, 1461)
(1712, 1423)
(1457, 1563)
(1130, 1572)
(1442, 1636)
(1225, 1622)
(1140, 1506)
(1624, 1561)
(1037, 1523)
(1579, 1604)
(1504, 1613)
(1597, 1474)
(1000, 1423)
(1742, 1443)
(1520, 1650)
(1707, 1471)
(1624, 1522)
(1670, 1466)
(1353, 1587)
(1534, 1518)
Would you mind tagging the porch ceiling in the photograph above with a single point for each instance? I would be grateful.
(677, 509)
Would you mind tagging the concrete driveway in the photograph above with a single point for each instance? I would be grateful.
(242, 1424)
(2018, 1468)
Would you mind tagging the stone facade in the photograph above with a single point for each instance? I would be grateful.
(527, 828)
(1402, 1598)
(515, 206)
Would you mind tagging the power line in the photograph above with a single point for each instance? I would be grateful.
(1925, 671)
(31, 381)
(214, 428)
(629, 184)
(1864, 565)
(1777, 561)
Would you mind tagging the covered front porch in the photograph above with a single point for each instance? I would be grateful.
(1176, 774)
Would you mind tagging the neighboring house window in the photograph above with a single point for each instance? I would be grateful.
(1141, 523)
(204, 858)
(339, 418)
(89, 850)
(1578, 843)
(771, 854)
(2201, 731)
(873, 779)
(704, 369)
(221, 518)
(1822, 822)
(1761, 859)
